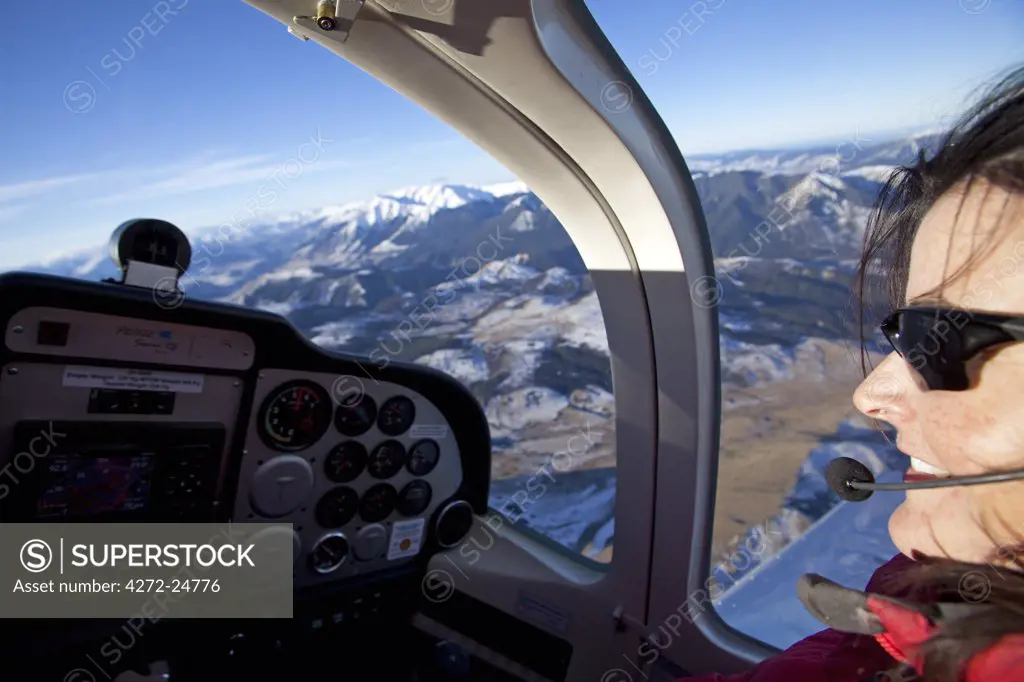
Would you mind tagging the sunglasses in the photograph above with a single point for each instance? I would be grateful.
(938, 342)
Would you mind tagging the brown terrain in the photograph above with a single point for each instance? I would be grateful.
(767, 434)
(767, 431)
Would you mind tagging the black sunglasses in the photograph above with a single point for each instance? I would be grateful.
(938, 342)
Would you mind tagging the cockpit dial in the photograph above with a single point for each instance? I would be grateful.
(386, 460)
(355, 415)
(330, 553)
(294, 416)
(414, 498)
(423, 457)
(345, 461)
(337, 507)
(396, 416)
(378, 502)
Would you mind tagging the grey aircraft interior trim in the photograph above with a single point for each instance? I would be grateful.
(202, 410)
(616, 181)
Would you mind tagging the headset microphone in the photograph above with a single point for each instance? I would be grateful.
(854, 482)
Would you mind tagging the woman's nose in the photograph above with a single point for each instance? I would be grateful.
(883, 394)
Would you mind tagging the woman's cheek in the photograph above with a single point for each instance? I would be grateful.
(970, 436)
(990, 419)
(992, 441)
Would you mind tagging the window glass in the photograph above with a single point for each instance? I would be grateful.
(375, 229)
(790, 116)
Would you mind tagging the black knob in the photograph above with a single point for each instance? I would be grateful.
(451, 662)
(453, 523)
(239, 648)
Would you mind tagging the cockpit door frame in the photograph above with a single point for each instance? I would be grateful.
(537, 85)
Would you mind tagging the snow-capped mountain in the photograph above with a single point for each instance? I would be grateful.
(858, 151)
(485, 284)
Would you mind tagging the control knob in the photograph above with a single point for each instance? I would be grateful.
(453, 523)
(449, 662)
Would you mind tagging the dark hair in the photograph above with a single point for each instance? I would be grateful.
(987, 144)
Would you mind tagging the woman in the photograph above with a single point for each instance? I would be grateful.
(947, 239)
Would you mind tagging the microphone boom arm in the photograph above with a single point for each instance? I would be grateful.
(978, 479)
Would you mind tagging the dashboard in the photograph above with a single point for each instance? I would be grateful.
(117, 407)
(358, 470)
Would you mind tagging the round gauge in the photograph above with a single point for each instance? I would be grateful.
(345, 462)
(414, 498)
(423, 457)
(386, 460)
(337, 507)
(396, 416)
(355, 415)
(329, 553)
(378, 502)
(294, 416)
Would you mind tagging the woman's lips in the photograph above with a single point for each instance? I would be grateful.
(911, 476)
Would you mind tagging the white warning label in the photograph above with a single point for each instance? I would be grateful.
(406, 538)
(132, 379)
(439, 431)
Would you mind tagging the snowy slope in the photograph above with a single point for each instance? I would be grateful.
(562, 506)
(764, 604)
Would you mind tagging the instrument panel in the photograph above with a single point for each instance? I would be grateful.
(358, 467)
(124, 401)
(212, 412)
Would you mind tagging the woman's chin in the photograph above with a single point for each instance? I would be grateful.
(902, 531)
(911, 531)
(937, 525)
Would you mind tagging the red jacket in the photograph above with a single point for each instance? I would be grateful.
(833, 656)
(828, 656)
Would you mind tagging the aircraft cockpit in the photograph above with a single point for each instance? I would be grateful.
(123, 402)
(430, 291)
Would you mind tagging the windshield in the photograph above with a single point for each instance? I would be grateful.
(313, 191)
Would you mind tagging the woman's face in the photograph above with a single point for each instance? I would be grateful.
(967, 432)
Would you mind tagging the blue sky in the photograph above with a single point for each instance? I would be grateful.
(181, 109)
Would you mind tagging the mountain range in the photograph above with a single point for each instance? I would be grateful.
(483, 283)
